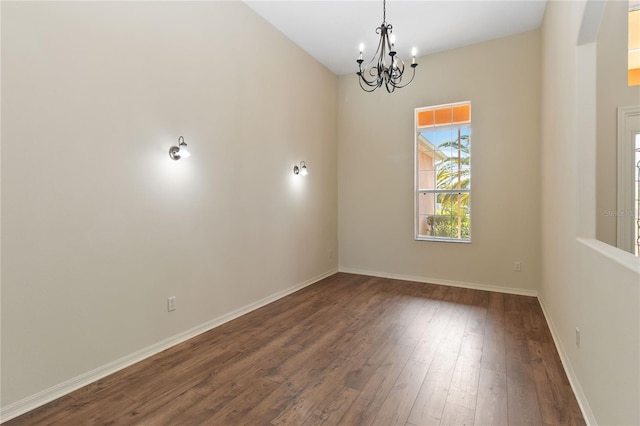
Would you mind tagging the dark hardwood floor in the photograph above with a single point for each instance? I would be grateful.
(348, 350)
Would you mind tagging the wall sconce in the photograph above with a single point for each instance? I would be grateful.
(180, 151)
(302, 170)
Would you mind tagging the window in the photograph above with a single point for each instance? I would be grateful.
(628, 188)
(637, 195)
(634, 43)
(443, 172)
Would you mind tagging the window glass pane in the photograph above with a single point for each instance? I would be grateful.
(454, 158)
(425, 118)
(426, 210)
(443, 116)
(462, 114)
(452, 218)
(426, 164)
(426, 179)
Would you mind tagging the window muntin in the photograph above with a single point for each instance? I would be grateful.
(443, 173)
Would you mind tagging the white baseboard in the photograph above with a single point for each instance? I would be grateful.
(34, 401)
(571, 375)
(474, 286)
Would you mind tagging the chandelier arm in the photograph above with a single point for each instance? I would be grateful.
(374, 71)
(388, 30)
(370, 83)
(382, 69)
(380, 51)
(374, 81)
(400, 86)
(396, 74)
(384, 44)
(373, 87)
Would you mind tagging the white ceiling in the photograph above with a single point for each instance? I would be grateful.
(331, 31)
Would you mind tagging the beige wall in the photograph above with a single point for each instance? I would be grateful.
(100, 226)
(586, 284)
(613, 92)
(501, 78)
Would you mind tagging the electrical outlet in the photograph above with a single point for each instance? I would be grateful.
(171, 304)
(577, 337)
(517, 266)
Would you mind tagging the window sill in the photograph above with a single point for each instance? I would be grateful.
(442, 240)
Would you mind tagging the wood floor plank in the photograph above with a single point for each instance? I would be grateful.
(234, 411)
(187, 403)
(350, 367)
(429, 404)
(366, 406)
(310, 369)
(453, 332)
(456, 415)
(471, 348)
(493, 345)
(491, 405)
(553, 393)
(51, 413)
(113, 407)
(348, 350)
(533, 320)
(397, 405)
(416, 328)
(518, 358)
(463, 389)
(308, 400)
(330, 410)
(363, 346)
(433, 334)
(522, 404)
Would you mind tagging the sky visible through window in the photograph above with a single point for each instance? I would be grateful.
(439, 137)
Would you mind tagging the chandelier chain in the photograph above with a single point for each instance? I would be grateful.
(384, 11)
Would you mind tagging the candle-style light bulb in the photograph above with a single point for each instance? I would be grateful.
(413, 54)
(392, 39)
(361, 50)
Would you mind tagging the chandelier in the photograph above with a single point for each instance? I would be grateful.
(384, 68)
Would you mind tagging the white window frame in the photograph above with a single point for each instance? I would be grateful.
(417, 191)
(628, 126)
